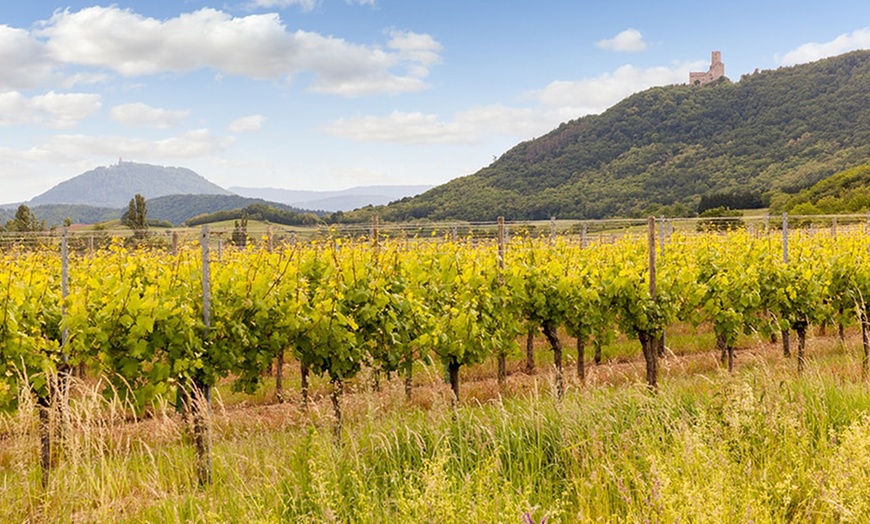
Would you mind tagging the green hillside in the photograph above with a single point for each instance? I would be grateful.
(844, 192)
(178, 209)
(772, 133)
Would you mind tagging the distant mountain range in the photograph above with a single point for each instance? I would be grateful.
(332, 201)
(177, 194)
(113, 186)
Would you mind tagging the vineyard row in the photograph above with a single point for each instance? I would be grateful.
(159, 323)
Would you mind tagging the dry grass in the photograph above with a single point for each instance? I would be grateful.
(608, 449)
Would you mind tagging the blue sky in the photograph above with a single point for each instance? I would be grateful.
(330, 94)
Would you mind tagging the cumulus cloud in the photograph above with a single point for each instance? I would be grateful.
(247, 124)
(256, 46)
(594, 95)
(23, 60)
(14, 109)
(193, 144)
(466, 127)
(810, 52)
(403, 128)
(629, 41)
(58, 110)
(139, 114)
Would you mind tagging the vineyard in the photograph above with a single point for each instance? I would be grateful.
(158, 326)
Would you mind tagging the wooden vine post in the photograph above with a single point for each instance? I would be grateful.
(53, 399)
(375, 235)
(201, 397)
(649, 340)
(865, 341)
(502, 356)
(279, 358)
(552, 231)
(662, 238)
(62, 391)
(786, 339)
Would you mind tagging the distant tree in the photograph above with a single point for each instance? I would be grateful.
(136, 216)
(732, 200)
(240, 231)
(24, 220)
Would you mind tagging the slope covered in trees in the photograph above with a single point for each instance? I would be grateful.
(773, 132)
(181, 208)
(845, 192)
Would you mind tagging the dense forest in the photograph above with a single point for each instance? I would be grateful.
(845, 192)
(258, 211)
(662, 150)
(179, 209)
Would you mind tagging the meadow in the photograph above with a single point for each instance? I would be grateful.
(760, 444)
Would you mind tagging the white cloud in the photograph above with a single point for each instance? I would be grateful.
(594, 95)
(23, 61)
(256, 46)
(67, 109)
(72, 80)
(417, 51)
(194, 144)
(402, 128)
(859, 39)
(14, 109)
(139, 114)
(247, 124)
(58, 110)
(466, 127)
(630, 40)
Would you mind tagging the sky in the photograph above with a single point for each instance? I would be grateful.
(332, 94)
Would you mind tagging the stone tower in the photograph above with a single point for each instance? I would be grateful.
(716, 71)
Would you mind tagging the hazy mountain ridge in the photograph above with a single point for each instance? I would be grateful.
(331, 201)
(79, 198)
(113, 186)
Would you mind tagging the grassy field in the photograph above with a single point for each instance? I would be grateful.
(759, 445)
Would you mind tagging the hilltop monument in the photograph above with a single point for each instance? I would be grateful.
(716, 71)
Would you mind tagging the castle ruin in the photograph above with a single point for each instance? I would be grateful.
(716, 71)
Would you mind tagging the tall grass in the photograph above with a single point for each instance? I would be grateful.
(761, 445)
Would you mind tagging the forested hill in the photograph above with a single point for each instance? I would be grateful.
(773, 132)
